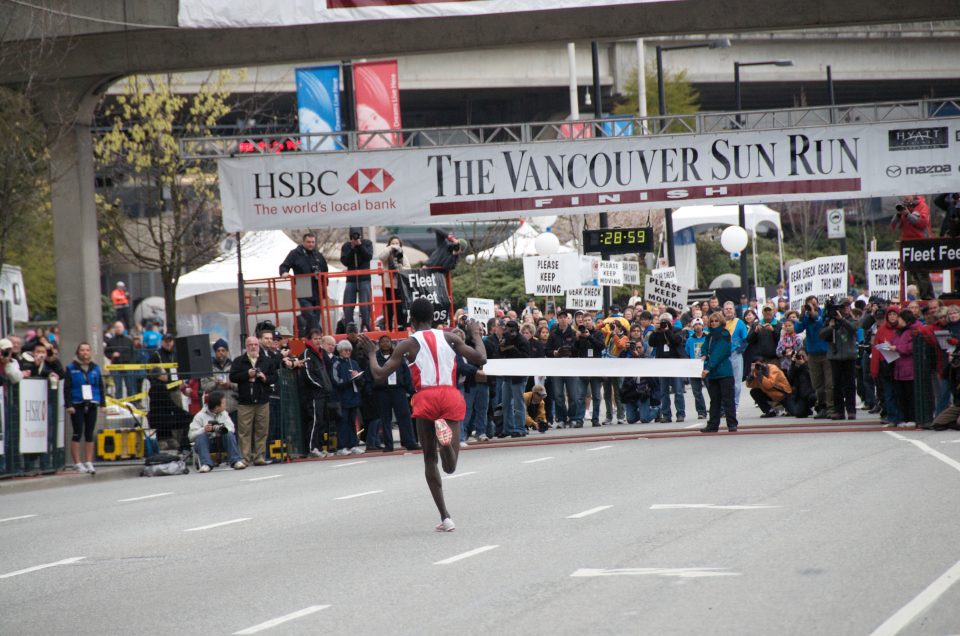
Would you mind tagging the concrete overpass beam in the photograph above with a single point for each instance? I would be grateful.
(68, 111)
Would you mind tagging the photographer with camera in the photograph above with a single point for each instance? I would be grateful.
(590, 345)
(913, 221)
(393, 260)
(356, 255)
(447, 253)
(769, 388)
(212, 423)
(949, 202)
(562, 343)
(667, 343)
(513, 346)
(8, 363)
(307, 259)
(840, 334)
(804, 398)
(811, 322)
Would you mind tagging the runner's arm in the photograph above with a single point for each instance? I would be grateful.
(477, 354)
(393, 362)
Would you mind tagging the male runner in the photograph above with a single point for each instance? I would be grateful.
(438, 407)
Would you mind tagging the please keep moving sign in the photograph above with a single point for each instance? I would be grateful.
(666, 292)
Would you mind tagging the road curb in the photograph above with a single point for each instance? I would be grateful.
(44, 482)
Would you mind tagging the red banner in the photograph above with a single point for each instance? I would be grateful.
(376, 90)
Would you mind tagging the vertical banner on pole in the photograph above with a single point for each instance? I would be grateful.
(376, 87)
(33, 416)
(318, 105)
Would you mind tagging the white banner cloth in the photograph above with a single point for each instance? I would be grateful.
(596, 367)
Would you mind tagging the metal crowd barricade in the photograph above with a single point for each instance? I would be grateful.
(924, 374)
(13, 463)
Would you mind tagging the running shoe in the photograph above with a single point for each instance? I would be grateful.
(81, 467)
(356, 450)
(316, 452)
(91, 468)
(444, 434)
(447, 525)
(342, 452)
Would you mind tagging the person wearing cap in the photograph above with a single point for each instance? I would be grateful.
(356, 254)
(535, 401)
(694, 348)
(121, 303)
(306, 259)
(840, 334)
(11, 367)
(167, 414)
(220, 379)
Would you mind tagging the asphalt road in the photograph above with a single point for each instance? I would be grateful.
(824, 533)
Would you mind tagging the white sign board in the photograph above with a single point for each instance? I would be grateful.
(822, 277)
(33, 416)
(555, 274)
(665, 292)
(610, 273)
(883, 274)
(3, 423)
(836, 224)
(480, 309)
(664, 273)
(480, 182)
(585, 298)
(61, 417)
(631, 273)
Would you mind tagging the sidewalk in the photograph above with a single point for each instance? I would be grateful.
(749, 417)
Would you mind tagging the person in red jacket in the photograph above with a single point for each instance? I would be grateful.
(880, 369)
(913, 221)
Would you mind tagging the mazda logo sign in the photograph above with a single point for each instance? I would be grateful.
(894, 171)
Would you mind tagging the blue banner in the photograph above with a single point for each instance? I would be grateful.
(318, 106)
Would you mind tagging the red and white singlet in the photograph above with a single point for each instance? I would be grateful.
(434, 374)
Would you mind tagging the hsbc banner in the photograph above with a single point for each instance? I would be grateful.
(256, 13)
(500, 181)
(377, 92)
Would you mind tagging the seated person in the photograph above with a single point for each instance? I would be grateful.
(641, 399)
(535, 400)
(769, 388)
(210, 423)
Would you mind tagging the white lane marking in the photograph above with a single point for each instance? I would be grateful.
(16, 518)
(467, 555)
(534, 461)
(362, 461)
(710, 506)
(283, 619)
(217, 525)
(921, 601)
(951, 441)
(41, 567)
(359, 494)
(596, 448)
(154, 496)
(587, 513)
(926, 449)
(682, 573)
(263, 478)
(473, 472)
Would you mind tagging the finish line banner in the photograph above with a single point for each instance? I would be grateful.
(256, 13)
(424, 186)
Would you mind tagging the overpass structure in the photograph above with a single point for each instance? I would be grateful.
(69, 52)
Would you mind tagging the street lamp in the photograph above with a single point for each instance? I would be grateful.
(723, 43)
(742, 215)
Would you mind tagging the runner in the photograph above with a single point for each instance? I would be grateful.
(438, 406)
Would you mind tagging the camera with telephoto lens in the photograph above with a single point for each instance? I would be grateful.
(354, 236)
(833, 308)
(6, 353)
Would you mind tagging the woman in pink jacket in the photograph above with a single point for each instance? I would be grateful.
(903, 366)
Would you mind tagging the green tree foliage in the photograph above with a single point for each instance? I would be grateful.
(26, 225)
(180, 227)
(680, 95)
(501, 280)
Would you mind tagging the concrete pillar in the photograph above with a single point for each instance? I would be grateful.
(69, 113)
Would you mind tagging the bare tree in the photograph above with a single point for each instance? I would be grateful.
(175, 225)
(808, 222)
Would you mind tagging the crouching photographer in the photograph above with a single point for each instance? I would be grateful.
(213, 423)
(770, 389)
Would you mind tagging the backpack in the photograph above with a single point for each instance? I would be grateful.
(163, 464)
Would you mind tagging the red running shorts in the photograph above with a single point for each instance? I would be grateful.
(439, 402)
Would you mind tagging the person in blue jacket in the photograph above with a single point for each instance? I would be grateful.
(346, 379)
(738, 344)
(811, 323)
(719, 375)
(83, 396)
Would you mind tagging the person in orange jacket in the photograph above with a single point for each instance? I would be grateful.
(121, 303)
(768, 388)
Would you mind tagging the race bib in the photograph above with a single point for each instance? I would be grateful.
(392, 379)
(86, 392)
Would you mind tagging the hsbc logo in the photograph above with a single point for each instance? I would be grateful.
(370, 180)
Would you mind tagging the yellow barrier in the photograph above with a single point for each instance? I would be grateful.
(120, 443)
(126, 406)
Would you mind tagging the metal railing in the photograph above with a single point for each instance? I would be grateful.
(196, 148)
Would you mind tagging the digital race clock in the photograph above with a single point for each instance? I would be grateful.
(620, 240)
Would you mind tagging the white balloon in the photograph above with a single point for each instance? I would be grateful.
(547, 244)
(734, 239)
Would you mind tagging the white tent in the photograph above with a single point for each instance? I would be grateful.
(521, 243)
(212, 288)
(701, 217)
